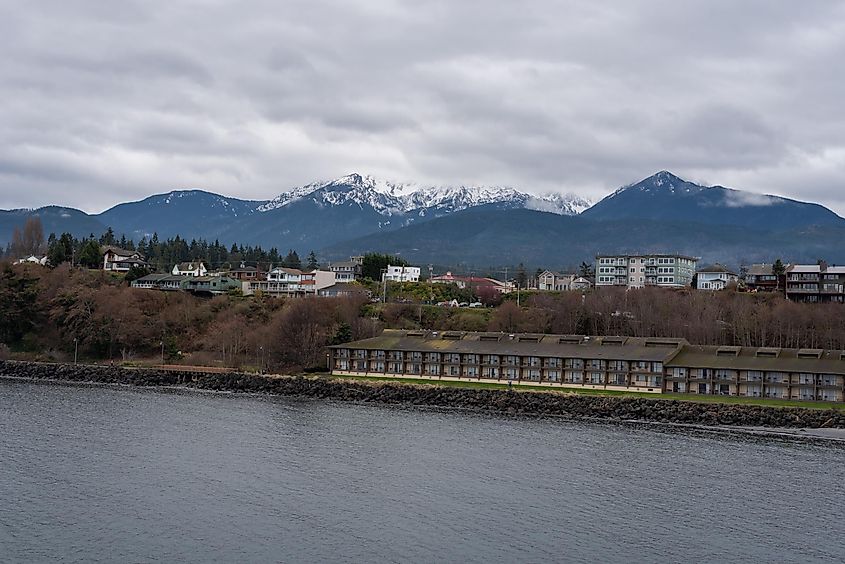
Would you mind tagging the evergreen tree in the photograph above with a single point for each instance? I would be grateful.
(107, 238)
(273, 257)
(778, 270)
(292, 260)
(374, 263)
(60, 250)
(136, 272)
(312, 261)
(89, 254)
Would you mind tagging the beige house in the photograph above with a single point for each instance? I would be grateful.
(550, 281)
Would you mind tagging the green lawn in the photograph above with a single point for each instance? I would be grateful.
(679, 397)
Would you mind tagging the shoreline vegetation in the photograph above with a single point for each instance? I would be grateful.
(728, 413)
(64, 313)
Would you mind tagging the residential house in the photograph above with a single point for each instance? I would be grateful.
(652, 365)
(343, 289)
(715, 277)
(191, 268)
(291, 282)
(401, 274)
(210, 285)
(638, 271)
(32, 259)
(246, 273)
(347, 271)
(116, 259)
(479, 284)
(581, 283)
(761, 278)
(550, 281)
(815, 283)
(160, 282)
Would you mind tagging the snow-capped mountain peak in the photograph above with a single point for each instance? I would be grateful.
(661, 183)
(394, 198)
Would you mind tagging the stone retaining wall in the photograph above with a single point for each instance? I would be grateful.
(500, 401)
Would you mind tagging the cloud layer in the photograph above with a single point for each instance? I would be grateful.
(109, 101)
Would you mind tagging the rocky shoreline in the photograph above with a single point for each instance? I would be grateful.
(494, 400)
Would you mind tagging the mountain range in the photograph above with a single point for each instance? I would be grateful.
(478, 226)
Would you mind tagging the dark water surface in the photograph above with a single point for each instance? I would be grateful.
(130, 475)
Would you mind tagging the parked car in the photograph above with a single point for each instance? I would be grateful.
(476, 304)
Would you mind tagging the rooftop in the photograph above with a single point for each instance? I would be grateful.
(670, 351)
(716, 268)
(570, 346)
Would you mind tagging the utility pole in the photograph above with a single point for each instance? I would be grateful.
(75, 349)
(162, 350)
(384, 285)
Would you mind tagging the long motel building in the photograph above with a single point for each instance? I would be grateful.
(599, 363)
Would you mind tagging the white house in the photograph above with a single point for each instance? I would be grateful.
(116, 259)
(193, 268)
(291, 282)
(401, 274)
(33, 260)
(715, 277)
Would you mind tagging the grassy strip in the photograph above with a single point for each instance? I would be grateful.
(680, 397)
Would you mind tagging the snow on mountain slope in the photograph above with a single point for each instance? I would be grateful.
(390, 198)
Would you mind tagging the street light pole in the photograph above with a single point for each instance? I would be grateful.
(162, 351)
(75, 349)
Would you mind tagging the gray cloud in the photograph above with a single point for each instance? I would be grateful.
(107, 101)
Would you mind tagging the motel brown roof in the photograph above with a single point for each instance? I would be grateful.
(562, 346)
(748, 358)
(672, 352)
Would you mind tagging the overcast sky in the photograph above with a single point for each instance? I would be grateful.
(105, 102)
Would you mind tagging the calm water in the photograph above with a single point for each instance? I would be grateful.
(126, 475)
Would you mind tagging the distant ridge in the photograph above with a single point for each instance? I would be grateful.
(476, 224)
(664, 196)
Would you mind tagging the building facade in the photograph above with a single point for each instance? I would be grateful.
(347, 271)
(715, 277)
(477, 283)
(815, 283)
(600, 363)
(116, 259)
(291, 282)
(202, 285)
(246, 273)
(638, 271)
(193, 268)
(343, 289)
(761, 278)
(550, 281)
(401, 274)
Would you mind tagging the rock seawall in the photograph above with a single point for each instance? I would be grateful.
(502, 401)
